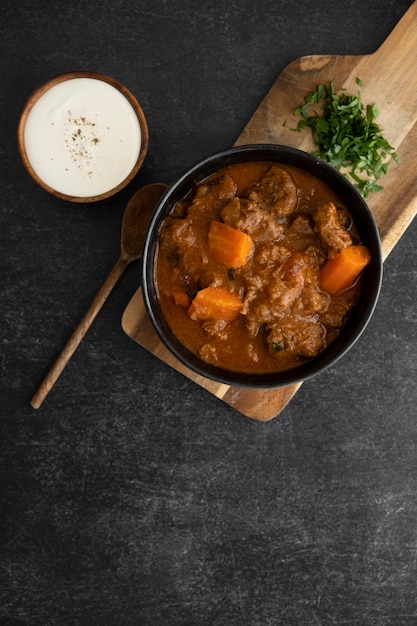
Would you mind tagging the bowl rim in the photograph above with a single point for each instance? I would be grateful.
(45, 86)
(357, 320)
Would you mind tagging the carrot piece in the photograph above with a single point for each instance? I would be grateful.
(342, 271)
(180, 297)
(215, 303)
(228, 245)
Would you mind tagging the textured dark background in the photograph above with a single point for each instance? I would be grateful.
(133, 496)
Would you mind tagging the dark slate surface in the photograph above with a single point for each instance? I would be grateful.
(133, 496)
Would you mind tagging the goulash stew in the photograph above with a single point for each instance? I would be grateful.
(258, 267)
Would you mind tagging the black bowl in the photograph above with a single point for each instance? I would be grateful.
(372, 275)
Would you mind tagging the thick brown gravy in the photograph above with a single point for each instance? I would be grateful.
(294, 223)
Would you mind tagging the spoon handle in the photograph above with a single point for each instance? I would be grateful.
(79, 333)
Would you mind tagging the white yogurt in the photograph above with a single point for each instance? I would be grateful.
(82, 137)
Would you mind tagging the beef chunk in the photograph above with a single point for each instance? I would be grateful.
(328, 226)
(276, 191)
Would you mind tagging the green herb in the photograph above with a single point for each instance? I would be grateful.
(231, 273)
(347, 136)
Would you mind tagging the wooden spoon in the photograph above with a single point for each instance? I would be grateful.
(135, 222)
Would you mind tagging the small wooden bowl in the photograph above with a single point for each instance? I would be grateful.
(82, 141)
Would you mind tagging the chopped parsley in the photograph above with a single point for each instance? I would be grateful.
(347, 136)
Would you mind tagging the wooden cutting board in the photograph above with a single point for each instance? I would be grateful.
(389, 77)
